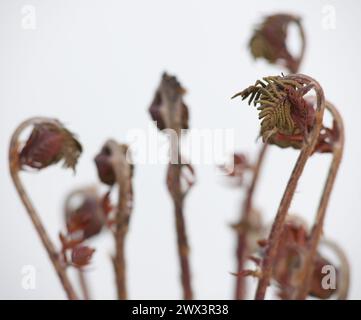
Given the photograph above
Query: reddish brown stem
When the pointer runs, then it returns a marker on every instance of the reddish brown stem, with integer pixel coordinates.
(175, 189)
(182, 241)
(242, 251)
(60, 268)
(120, 266)
(317, 229)
(122, 171)
(120, 233)
(277, 227)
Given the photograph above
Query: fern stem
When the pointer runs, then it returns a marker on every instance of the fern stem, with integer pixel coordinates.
(34, 216)
(123, 178)
(317, 229)
(277, 227)
(175, 188)
(242, 251)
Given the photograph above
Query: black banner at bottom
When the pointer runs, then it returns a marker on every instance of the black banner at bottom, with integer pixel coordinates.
(170, 309)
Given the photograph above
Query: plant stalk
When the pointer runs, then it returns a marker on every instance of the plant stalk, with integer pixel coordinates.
(44, 237)
(242, 251)
(123, 176)
(317, 229)
(175, 189)
(120, 233)
(182, 240)
(306, 151)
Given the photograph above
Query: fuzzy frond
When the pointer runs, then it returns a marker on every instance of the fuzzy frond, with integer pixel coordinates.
(282, 109)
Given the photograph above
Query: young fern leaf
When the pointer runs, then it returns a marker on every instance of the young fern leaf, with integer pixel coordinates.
(269, 41)
(283, 111)
(48, 143)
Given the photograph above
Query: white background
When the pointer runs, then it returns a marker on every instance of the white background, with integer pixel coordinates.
(95, 65)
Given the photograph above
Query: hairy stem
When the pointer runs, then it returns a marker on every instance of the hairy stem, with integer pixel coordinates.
(60, 268)
(277, 227)
(242, 251)
(317, 229)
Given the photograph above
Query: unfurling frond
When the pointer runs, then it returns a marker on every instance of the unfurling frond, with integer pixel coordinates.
(269, 41)
(285, 115)
(49, 143)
